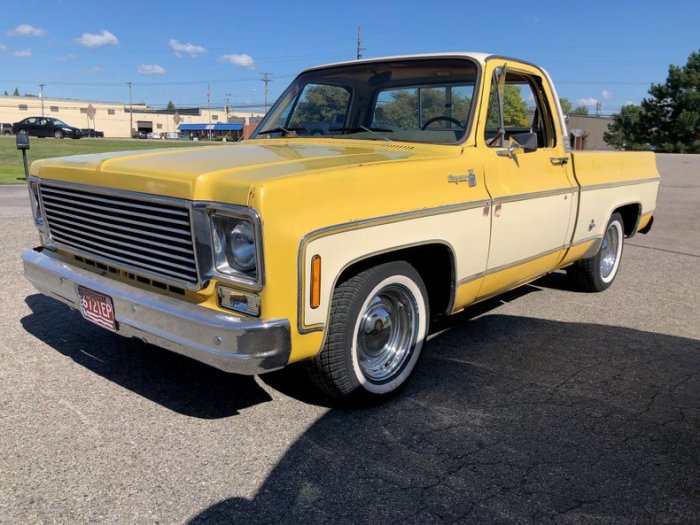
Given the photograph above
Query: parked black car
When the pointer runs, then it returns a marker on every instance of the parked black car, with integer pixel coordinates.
(92, 133)
(46, 127)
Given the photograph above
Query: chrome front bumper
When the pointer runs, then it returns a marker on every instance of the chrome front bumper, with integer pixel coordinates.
(233, 344)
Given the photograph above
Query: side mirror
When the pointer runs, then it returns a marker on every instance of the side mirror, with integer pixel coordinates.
(527, 140)
(519, 143)
(22, 140)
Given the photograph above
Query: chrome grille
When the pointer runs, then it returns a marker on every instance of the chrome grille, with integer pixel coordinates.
(145, 236)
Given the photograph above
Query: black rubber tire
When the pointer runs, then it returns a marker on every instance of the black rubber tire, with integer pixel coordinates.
(58, 134)
(335, 370)
(585, 274)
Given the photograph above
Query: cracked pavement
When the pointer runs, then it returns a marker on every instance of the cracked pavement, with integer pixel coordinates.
(541, 406)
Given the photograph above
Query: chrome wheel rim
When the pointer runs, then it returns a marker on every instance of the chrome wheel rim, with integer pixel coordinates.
(387, 332)
(609, 252)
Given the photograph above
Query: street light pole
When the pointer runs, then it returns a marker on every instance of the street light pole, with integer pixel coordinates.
(131, 114)
(41, 87)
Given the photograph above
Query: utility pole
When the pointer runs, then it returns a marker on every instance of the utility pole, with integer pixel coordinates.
(227, 98)
(598, 108)
(266, 79)
(41, 87)
(131, 114)
(360, 49)
(209, 108)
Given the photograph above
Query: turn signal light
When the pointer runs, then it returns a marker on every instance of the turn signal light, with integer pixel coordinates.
(315, 298)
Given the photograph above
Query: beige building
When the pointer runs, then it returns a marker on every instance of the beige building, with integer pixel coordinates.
(113, 118)
(587, 131)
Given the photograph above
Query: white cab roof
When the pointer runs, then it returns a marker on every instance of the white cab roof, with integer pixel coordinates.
(479, 57)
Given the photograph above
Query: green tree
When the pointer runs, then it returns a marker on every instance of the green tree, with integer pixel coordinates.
(399, 107)
(566, 105)
(669, 119)
(625, 132)
(672, 112)
(515, 112)
(5, 93)
(320, 104)
(170, 105)
(579, 110)
(15, 93)
(400, 111)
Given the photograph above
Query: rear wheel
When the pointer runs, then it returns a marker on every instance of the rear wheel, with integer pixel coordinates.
(379, 321)
(58, 134)
(597, 273)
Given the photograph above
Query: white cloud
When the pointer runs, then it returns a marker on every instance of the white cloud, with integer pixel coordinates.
(26, 30)
(93, 41)
(629, 103)
(66, 58)
(22, 53)
(590, 101)
(241, 60)
(188, 49)
(3, 47)
(150, 69)
(607, 95)
(94, 69)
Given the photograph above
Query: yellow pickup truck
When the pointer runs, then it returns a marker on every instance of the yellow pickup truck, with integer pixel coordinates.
(375, 196)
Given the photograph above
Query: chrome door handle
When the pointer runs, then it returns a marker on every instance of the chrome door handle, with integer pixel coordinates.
(559, 161)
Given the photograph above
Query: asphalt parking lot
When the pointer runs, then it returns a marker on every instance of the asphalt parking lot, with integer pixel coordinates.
(543, 405)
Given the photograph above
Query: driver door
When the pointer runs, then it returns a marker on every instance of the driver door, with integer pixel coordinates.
(532, 188)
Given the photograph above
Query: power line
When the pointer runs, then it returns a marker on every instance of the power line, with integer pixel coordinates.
(163, 83)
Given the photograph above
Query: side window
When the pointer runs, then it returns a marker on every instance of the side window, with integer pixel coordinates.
(31, 120)
(320, 109)
(420, 107)
(396, 108)
(525, 110)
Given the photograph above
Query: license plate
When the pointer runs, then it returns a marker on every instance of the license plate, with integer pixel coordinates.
(97, 307)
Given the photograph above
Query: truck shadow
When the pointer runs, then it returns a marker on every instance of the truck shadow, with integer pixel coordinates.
(178, 383)
(509, 419)
(173, 381)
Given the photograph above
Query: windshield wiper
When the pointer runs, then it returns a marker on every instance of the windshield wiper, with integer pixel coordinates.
(280, 129)
(372, 130)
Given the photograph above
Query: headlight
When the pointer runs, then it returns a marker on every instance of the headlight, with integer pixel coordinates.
(234, 246)
(241, 245)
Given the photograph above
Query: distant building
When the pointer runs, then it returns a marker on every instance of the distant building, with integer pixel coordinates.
(586, 132)
(113, 118)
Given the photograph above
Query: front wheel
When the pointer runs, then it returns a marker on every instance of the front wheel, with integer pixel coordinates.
(379, 321)
(58, 134)
(597, 273)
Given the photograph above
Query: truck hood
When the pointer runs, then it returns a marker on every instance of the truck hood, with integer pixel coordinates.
(225, 173)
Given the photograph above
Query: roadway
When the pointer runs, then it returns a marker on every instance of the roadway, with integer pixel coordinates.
(543, 405)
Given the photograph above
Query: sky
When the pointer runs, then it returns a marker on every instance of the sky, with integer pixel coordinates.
(208, 53)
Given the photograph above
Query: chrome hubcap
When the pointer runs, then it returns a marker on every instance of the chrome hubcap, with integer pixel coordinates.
(387, 332)
(608, 251)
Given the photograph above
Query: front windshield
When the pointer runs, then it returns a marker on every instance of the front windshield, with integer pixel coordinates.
(415, 100)
(57, 122)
